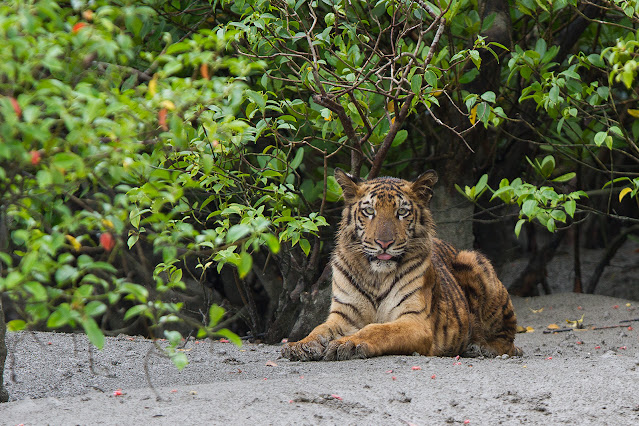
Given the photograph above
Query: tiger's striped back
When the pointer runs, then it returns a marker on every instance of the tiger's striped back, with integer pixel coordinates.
(397, 289)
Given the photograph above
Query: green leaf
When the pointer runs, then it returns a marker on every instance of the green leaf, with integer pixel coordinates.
(483, 112)
(272, 242)
(570, 206)
(134, 218)
(6, 258)
(258, 98)
(547, 166)
(609, 142)
(600, 137)
(400, 137)
(130, 242)
(94, 333)
(431, 78)
(565, 178)
(553, 94)
(504, 194)
(179, 359)
(475, 57)
(518, 226)
(16, 325)
(60, 317)
(558, 215)
(233, 338)
(416, 84)
(305, 245)
(134, 311)
(37, 290)
(529, 208)
(95, 308)
(616, 130)
(215, 314)
(137, 291)
(299, 156)
(237, 232)
(489, 97)
(65, 273)
(245, 264)
(481, 184)
(551, 225)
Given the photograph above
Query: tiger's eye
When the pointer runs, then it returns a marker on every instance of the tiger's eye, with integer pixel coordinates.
(402, 211)
(369, 211)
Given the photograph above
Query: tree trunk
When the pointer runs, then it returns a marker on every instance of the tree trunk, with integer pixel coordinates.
(4, 395)
(526, 284)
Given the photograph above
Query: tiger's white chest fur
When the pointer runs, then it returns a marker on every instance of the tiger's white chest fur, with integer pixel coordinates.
(380, 295)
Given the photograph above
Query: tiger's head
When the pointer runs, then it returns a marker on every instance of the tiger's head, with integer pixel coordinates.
(386, 220)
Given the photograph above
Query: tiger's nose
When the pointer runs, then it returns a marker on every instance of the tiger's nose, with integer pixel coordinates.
(384, 244)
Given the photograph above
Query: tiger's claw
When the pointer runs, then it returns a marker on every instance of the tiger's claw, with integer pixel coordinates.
(312, 350)
(339, 350)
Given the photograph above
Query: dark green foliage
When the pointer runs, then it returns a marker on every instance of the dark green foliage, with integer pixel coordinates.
(149, 144)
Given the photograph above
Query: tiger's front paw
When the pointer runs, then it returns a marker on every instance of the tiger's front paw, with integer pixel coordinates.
(343, 349)
(304, 350)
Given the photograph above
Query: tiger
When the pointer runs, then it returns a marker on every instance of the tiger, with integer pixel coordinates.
(399, 290)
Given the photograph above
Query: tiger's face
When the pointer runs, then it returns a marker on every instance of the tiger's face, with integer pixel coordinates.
(386, 219)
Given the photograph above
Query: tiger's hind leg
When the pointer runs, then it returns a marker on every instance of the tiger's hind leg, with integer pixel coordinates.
(494, 319)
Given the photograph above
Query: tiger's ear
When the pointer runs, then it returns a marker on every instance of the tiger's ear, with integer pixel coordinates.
(424, 183)
(348, 183)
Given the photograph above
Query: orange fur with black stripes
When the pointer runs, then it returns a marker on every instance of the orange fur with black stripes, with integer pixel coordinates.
(398, 290)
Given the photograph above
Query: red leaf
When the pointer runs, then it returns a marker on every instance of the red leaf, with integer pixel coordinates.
(35, 157)
(204, 70)
(416, 367)
(337, 397)
(117, 392)
(77, 27)
(162, 119)
(16, 106)
(107, 241)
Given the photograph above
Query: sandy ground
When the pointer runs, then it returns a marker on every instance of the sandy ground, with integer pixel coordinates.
(588, 376)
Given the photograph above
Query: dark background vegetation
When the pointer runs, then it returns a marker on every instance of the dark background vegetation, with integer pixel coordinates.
(166, 166)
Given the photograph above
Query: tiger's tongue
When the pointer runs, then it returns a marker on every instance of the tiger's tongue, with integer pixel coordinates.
(384, 256)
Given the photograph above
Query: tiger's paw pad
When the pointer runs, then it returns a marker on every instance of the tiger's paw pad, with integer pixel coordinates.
(342, 350)
(303, 351)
